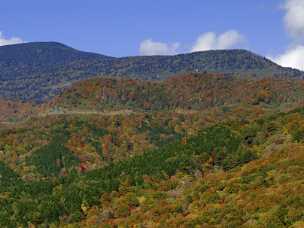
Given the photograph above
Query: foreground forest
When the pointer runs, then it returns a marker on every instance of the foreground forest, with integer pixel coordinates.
(199, 150)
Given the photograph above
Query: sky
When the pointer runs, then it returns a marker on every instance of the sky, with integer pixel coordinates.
(273, 28)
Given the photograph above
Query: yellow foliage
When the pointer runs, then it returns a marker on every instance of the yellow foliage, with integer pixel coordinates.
(84, 208)
(141, 199)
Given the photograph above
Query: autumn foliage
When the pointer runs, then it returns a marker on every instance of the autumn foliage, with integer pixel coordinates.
(190, 151)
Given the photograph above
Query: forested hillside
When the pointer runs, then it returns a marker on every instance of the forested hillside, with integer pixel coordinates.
(205, 150)
(186, 92)
(238, 168)
(174, 124)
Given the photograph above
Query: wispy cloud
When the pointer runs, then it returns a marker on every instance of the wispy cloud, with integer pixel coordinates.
(206, 41)
(293, 57)
(150, 47)
(7, 41)
(294, 18)
(211, 41)
(294, 23)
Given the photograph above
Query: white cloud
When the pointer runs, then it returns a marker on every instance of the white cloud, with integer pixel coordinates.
(292, 58)
(150, 47)
(8, 41)
(229, 39)
(294, 17)
(212, 41)
(294, 23)
(205, 42)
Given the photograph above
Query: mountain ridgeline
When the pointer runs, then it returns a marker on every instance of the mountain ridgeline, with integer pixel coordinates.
(40, 70)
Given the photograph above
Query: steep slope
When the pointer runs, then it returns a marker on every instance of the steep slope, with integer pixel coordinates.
(266, 192)
(37, 71)
(240, 172)
(23, 60)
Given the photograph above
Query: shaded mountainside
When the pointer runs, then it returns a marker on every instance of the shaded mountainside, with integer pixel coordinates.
(37, 71)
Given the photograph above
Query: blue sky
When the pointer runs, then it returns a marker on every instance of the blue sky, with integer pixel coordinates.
(119, 27)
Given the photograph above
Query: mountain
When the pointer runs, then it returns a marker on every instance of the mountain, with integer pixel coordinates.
(37, 71)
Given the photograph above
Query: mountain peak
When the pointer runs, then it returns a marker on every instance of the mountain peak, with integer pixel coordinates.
(33, 45)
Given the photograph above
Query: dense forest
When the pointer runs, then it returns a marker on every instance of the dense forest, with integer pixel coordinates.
(194, 150)
(243, 170)
(187, 92)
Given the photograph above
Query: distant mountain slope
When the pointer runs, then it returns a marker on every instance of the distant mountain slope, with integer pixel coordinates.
(26, 60)
(216, 61)
(37, 71)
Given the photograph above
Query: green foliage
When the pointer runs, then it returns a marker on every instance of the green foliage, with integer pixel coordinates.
(52, 158)
(223, 145)
(204, 173)
(68, 193)
(297, 134)
(7, 176)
